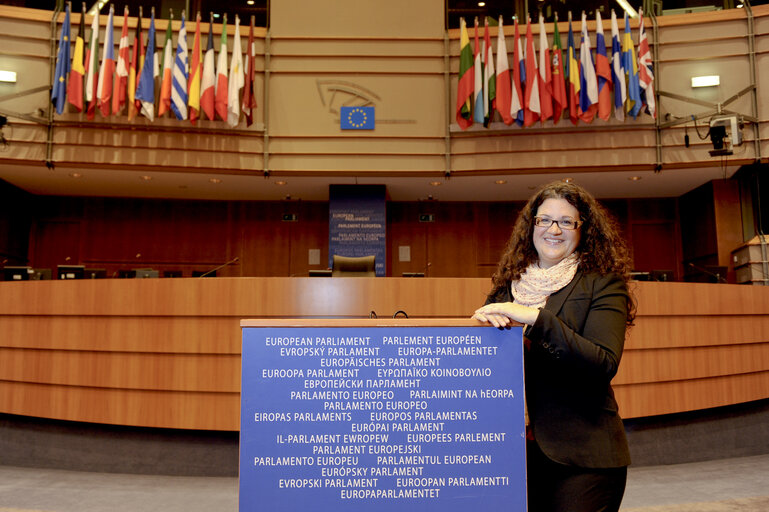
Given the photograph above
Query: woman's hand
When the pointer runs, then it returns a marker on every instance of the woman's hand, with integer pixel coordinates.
(501, 314)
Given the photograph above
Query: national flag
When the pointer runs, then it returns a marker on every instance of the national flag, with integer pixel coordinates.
(107, 70)
(91, 80)
(633, 103)
(617, 71)
(478, 78)
(572, 77)
(164, 101)
(236, 78)
(222, 91)
(532, 108)
(75, 89)
(489, 77)
(560, 100)
(59, 92)
(602, 71)
(196, 71)
(249, 99)
(208, 80)
(135, 68)
(588, 89)
(464, 112)
(516, 107)
(180, 75)
(121, 70)
(545, 74)
(145, 89)
(645, 69)
(503, 85)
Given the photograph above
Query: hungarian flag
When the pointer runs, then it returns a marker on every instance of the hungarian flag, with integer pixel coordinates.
(588, 92)
(617, 71)
(107, 70)
(208, 81)
(602, 70)
(503, 85)
(135, 68)
(59, 92)
(196, 70)
(145, 88)
(645, 69)
(236, 79)
(249, 99)
(75, 89)
(516, 108)
(572, 76)
(545, 74)
(633, 104)
(489, 78)
(164, 101)
(91, 80)
(222, 87)
(121, 70)
(532, 108)
(478, 78)
(180, 75)
(464, 112)
(560, 101)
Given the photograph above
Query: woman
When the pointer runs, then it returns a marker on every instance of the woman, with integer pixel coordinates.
(564, 274)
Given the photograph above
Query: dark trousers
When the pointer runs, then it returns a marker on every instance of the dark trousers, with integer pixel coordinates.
(553, 487)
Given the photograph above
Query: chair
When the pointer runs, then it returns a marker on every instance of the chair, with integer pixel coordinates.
(353, 266)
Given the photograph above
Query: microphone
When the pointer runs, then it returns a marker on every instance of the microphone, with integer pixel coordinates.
(718, 277)
(233, 260)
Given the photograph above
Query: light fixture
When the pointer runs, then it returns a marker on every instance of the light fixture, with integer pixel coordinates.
(8, 76)
(280, 183)
(706, 81)
(75, 175)
(634, 178)
(627, 8)
(215, 181)
(567, 180)
(500, 182)
(481, 4)
(216, 15)
(250, 2)
(435, 183)
(146, 178)
(97, 7)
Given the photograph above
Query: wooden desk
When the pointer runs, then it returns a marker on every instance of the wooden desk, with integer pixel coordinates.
(166, 352)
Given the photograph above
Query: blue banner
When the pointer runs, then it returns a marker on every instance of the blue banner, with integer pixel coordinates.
(357, 219)
(382, 419)
(357, 118)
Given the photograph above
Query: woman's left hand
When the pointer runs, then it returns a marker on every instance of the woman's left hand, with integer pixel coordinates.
(500, 314)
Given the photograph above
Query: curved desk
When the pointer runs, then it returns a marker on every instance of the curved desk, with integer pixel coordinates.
(166, 352)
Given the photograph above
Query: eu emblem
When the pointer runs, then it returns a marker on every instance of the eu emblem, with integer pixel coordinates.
(356, 118)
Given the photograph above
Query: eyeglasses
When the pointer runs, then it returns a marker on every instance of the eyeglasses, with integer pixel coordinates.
(568, 224)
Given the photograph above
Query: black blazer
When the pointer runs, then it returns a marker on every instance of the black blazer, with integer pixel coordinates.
(575, 350)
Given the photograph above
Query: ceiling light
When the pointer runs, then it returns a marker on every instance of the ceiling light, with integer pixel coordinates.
(216, 15)
(435, 183)
(250, 2)
(627, 8)
(75, 175)
(567, 180)
(706, 81)
(280, 183)
(215, 181)
(634, 178)
(500, 182)
(481, 4)
(7, 76)
(146, 178)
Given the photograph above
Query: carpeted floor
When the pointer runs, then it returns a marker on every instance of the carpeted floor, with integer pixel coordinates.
(757, 504)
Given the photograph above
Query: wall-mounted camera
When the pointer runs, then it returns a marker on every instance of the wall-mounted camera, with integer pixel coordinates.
(725, 133)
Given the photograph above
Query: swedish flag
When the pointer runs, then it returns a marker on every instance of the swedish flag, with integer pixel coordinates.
(357, 118)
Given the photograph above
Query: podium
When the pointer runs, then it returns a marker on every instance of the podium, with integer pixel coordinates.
(381, 415)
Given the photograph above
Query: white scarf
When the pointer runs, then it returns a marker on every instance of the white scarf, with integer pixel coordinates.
(537, 284)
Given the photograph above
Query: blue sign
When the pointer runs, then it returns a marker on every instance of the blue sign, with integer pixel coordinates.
(357, 223)
(422, 419)
(357, 118)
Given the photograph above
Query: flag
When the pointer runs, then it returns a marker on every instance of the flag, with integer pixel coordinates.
(645, 69)
(107, 70)
(145, 89)
(137, 56)
(588, 89)
(516, 106)
(164, 101)
(221, 75)
(236, 78)
(208, 80)
(75, 89)
(59, 92)
(617, 71)
(121, 70)
(91, 80)
(357, 118)
(465, 79)
(560, 101)
(545, 74)
(532, 108)
(633, 103)
(602, 71)
(180, 75)
(503, 85)
(572, 77)
(196, 70)
(249, 100)
(478, 76)
(489, 77)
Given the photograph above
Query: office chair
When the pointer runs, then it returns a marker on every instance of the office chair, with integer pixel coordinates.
(353, 266)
